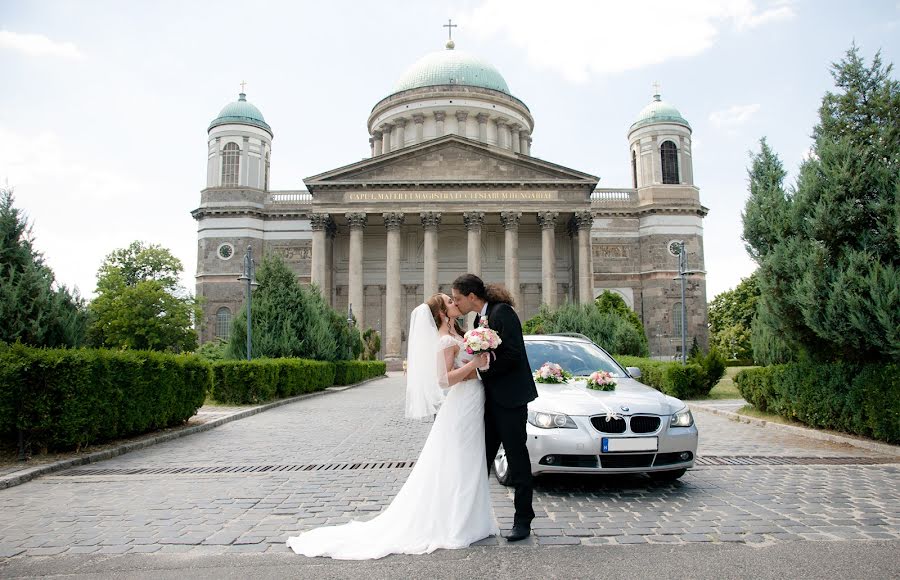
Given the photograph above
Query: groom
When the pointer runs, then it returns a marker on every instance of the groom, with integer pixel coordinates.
(508, 386)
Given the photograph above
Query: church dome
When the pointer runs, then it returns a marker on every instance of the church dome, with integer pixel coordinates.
(659, 111)
(451, 67)
(240, 112)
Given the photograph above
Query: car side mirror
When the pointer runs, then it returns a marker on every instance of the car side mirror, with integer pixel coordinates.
(634, 372)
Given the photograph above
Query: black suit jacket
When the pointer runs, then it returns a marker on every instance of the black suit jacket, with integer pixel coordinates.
(509, 381)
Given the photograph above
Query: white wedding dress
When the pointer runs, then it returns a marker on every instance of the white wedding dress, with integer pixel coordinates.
(445, 502)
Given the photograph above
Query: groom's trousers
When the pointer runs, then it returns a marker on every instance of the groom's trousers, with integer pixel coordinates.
(507, 426)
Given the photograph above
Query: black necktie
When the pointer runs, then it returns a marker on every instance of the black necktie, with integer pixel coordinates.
(477, 320)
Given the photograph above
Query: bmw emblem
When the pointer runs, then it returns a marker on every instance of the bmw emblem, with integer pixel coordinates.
(624, 408)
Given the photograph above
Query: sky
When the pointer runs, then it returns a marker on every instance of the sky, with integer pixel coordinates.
(104, 105)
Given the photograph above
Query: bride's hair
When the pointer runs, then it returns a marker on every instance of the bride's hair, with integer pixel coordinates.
(496, 293)
(437, 306)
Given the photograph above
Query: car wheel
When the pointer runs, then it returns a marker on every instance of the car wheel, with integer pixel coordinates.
(501, 467)
(667, 476)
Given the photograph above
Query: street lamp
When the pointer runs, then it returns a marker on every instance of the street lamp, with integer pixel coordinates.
(249, 276)
(350, 325)
(677, 248)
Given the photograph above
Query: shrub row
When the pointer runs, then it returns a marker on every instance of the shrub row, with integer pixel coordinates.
(244, 382)
(62, 399)
(691, 381)
(854, 398)
(348, 372)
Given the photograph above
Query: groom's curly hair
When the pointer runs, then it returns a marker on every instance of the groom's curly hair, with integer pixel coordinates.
(492, 293)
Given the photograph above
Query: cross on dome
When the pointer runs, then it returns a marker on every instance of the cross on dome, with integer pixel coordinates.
(450, 26)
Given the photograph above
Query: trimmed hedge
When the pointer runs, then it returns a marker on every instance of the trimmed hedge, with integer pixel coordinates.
(691, 381)
(63, 399)
(348, 372)
(247, 382)
(854, 398)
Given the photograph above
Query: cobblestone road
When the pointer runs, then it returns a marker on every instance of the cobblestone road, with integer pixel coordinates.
(88, 511)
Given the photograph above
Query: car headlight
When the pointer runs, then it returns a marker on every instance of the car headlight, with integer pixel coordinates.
(682, 418)
(551, 420)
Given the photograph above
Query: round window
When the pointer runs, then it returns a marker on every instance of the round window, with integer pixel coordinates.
(226, 251)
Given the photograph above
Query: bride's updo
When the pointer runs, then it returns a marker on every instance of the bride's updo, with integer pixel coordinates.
(437, 306)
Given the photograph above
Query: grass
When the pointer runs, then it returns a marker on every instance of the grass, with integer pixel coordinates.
(751, 411)
(725, 388)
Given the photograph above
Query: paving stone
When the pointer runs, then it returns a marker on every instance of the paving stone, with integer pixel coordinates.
(558, 541)
(630, 539)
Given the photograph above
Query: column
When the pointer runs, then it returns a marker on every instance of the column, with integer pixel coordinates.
(371, 146)
(461, 117)
(482, 126)
(244, 169)
(502, 133)
(419, 120)
(584, 220)
(377, 136)
(386, 137)
(510, 221)
(547, 221)
(400, 130)
(357, 223)
(528, 145)
(318, 222)
(330, 234)
(473, 221)
(514, 134)
(393, 320)
(430, 222)
(439, 123)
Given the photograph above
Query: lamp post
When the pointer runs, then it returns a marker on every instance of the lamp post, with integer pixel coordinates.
(350, 325)
(683, 273)
(249, 276)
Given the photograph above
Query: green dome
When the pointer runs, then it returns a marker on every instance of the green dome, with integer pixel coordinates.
(659, 111)
(451, 67)
(240, 112)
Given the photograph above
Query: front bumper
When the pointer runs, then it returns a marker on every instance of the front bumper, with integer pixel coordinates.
(580, 450)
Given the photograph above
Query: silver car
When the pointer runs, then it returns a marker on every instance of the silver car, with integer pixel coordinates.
(573, 429)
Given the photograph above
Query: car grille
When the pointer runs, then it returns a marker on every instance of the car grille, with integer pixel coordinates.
(644, 424)
(612, 426)
(623, 461)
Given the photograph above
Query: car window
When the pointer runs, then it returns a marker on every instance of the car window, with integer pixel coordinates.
(579, 358)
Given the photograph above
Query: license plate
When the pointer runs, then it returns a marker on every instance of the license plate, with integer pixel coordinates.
(616, 444)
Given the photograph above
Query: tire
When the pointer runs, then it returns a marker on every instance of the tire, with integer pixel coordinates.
(667, 476)
(501, 468)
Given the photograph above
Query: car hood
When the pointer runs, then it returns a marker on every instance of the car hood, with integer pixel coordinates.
(574, 398)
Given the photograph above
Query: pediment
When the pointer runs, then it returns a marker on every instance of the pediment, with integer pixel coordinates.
(450, 159)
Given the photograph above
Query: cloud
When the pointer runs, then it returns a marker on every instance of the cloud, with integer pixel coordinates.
(38, 45)
(733, 116)
(581, 38)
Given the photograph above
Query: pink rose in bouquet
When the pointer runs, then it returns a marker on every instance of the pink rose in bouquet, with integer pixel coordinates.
(481, 339)
(601, 381)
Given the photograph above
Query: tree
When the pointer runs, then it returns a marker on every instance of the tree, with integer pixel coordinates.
(140, 304)
(291, 320)
(829, 253)
(731, 316)
(613, 303)
(34, 310)
(611, 330)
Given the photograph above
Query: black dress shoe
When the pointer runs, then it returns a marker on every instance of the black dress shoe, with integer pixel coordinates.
(518, 532)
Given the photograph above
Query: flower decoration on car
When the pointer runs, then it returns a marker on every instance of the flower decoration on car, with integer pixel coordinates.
(551, 373)
(601, 381)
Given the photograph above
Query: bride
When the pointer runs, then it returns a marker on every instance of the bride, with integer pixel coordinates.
(445, 502)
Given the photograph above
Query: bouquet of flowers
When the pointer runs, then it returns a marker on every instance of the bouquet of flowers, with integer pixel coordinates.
(481, 339)
(601, 381)
(551, 373)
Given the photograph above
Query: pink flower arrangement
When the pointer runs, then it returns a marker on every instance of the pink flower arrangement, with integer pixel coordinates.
(551, 373)
(601, 381)
(481, 339)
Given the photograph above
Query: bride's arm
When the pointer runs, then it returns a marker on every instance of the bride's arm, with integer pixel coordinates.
(464, 372)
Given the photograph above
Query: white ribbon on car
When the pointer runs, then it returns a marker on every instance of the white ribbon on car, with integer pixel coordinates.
(610, 414)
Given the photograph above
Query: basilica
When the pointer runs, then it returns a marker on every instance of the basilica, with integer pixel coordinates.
(451, 187)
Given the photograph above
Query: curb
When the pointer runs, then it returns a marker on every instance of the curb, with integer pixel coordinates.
(885, 448)
(27, 475)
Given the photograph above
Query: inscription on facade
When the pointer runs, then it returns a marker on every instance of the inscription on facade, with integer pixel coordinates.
(451, 196)
(610, 251)
(293, 253)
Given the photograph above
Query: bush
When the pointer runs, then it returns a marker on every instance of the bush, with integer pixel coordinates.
(611, 330)
(257, 381)
(63, 399)
(863, 399)
(690, 381)
(348, 372)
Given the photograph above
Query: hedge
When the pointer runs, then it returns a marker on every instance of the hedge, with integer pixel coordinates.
(691, 381)
(63, 399)
(247, 382)
(348, 372)
(854, 398)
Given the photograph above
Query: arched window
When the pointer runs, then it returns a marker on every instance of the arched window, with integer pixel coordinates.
(676, 319)
(669, 154)
(634, 169)
(231, 164)
(266, 177)
(223, 323)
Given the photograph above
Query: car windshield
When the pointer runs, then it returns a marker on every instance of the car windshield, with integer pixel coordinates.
(577, 357)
